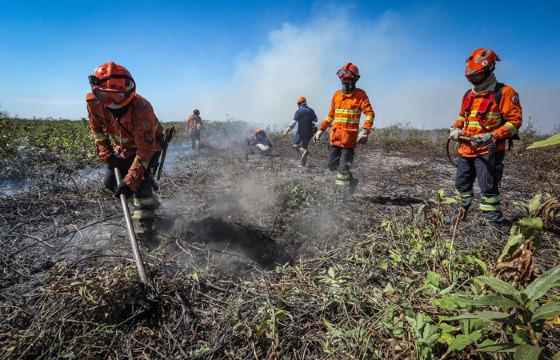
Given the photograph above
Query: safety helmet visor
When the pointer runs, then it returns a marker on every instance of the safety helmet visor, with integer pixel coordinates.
(112, 90)
(345, 74)
(110, 96)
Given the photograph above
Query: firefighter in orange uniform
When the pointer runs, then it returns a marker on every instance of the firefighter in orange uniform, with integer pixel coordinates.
(127, 136)
(491, 115)
(344, 115)
(194, 127)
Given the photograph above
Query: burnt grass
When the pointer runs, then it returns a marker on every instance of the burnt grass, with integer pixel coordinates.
(256, 257)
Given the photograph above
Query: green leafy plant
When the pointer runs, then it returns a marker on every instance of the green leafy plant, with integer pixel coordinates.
(551, 141)
(516, 315)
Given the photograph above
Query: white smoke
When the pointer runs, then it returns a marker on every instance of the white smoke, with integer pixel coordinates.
(302, 60)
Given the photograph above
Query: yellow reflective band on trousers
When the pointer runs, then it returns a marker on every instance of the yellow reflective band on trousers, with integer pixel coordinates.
(466, 197)
(141, 214)
(342, 179)
(144, 202)
(491, 203)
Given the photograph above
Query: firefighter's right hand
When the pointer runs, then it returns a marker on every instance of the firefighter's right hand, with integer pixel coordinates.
(454, 133)
(116, 161)
(123, 189)
(317, 136)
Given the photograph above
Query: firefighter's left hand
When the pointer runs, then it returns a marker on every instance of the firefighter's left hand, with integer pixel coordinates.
(123, 189)
(482, 140)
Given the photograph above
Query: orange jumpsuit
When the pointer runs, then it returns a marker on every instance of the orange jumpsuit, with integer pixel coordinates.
(134, 134)
(344, 116)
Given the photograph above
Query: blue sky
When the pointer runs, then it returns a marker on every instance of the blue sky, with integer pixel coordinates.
(251, 59)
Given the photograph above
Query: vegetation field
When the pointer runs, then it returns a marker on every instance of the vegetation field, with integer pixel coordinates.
(261, 259)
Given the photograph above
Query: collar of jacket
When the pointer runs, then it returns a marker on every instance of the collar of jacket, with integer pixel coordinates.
(488, 85)
(350, 93)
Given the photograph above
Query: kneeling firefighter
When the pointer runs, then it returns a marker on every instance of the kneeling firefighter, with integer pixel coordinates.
(344, 115)
(490, 115)
(127, 136)
(259, 143)
(305, 120)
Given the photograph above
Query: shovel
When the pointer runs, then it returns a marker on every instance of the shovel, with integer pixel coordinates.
(150, 293)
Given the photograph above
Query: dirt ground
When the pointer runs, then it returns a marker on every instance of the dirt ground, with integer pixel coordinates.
(212, 193)
(225, 214)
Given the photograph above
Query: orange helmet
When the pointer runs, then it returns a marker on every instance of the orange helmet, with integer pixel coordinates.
(348, 71)
(481, 60)
(258, 131)
(301, 99)
(112, 85)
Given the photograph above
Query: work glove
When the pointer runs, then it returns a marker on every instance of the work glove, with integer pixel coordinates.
(317, 136)
(363, 136)
(116, 161)
(482, 140)
(454, 133)
(123, 189)
(287, 131)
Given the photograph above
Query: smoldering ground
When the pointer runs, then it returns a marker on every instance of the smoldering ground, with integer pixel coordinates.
(223, 210)
(67, 277)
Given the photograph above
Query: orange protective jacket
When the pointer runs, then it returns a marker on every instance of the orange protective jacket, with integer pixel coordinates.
(135, 133)
(502, 119)
(194, 124)
(344, 116)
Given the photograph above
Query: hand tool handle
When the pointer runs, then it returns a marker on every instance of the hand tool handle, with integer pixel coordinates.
(131, 234)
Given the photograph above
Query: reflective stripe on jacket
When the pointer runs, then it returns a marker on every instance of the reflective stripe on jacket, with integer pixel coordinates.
(135, 133)
(502, 119)
(344, 116)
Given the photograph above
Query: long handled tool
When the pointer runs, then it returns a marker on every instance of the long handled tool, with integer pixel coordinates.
(491, 166)
(133, 242)
(167, 136)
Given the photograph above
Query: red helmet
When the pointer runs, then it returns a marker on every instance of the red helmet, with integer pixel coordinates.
(112, 85)
(301, 99)
(348, 71)
(480, 61)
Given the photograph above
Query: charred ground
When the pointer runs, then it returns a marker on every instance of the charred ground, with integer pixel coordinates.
(257, 259)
